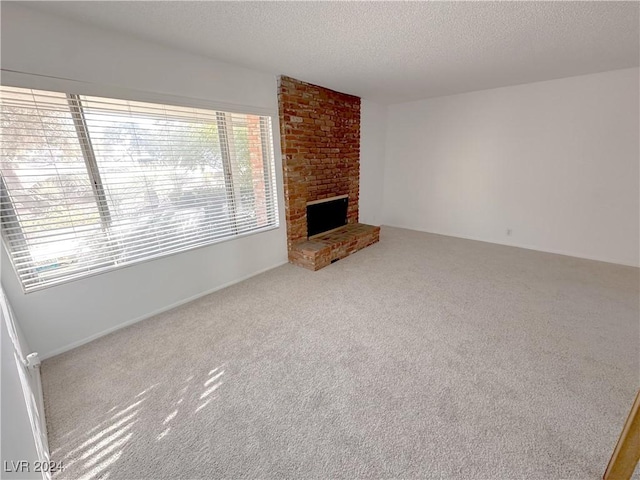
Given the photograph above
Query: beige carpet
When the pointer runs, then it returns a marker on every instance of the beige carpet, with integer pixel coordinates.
(423, 356)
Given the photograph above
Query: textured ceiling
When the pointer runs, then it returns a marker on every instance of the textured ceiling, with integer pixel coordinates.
(388, 52)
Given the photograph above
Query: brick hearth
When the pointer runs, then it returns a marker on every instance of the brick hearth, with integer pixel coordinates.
(327, 248)
(320, 136)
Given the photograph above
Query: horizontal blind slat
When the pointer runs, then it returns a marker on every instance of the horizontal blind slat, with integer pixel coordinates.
(156, 170)
(125, 253)
(128, 235)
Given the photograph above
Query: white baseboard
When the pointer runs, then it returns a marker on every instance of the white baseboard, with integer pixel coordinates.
(516, 245)
(79, 343)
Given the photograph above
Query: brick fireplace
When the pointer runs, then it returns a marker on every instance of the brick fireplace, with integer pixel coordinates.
(320, 136)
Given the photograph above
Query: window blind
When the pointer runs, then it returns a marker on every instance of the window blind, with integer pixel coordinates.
(89, 184)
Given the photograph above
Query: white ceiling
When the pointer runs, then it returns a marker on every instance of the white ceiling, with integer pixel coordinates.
(388, 52)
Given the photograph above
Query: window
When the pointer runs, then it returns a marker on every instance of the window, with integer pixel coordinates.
(90, 184)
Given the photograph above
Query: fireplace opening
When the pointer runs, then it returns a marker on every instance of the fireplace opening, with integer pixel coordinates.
(326, 214)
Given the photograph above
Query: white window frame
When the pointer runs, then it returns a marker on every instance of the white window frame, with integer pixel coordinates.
(63, 85)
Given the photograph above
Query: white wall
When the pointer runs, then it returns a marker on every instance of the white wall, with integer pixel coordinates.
(37, 42)
(61, 317)
(556, 162)
(373, 129)
(17, 435)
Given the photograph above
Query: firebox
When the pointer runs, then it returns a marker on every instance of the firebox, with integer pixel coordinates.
(326, 214)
